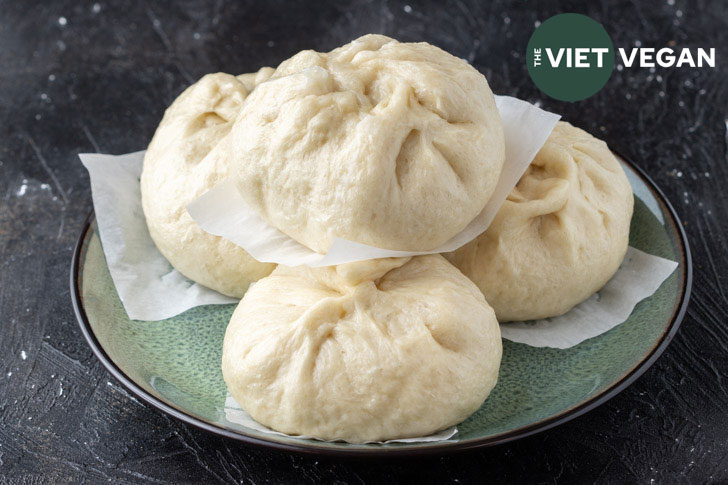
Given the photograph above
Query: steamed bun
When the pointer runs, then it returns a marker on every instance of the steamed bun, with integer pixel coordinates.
(364, 351)
(188, 156)
(390, 144)
(561, 234)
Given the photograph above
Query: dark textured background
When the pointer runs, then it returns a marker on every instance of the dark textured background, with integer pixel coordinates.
(100, 80)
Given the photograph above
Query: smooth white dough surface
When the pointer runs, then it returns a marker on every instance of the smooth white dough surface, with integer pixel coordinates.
(395, 145)
(366, 351)
(561, 234)
(188, 156)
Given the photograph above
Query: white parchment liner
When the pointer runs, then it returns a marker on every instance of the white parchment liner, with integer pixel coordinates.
(148, 286)
(638, 277)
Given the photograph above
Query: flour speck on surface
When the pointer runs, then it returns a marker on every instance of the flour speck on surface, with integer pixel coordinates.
(23, 355)
(62, 21)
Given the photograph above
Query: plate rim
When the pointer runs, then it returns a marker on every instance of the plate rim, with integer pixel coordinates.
(428, 449)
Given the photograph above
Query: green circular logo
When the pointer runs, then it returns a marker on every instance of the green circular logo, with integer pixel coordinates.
(570, 57)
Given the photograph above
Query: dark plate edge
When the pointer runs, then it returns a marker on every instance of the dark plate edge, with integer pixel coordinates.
(444, 447)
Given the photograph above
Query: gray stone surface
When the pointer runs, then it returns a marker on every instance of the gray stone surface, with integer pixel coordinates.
(79, 76)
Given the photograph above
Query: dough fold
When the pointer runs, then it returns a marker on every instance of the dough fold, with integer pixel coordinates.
(189, 155)
(560, 235)
(364, 351)
(395, 145)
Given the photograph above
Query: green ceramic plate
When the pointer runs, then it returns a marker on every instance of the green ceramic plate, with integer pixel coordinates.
(175, 364)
